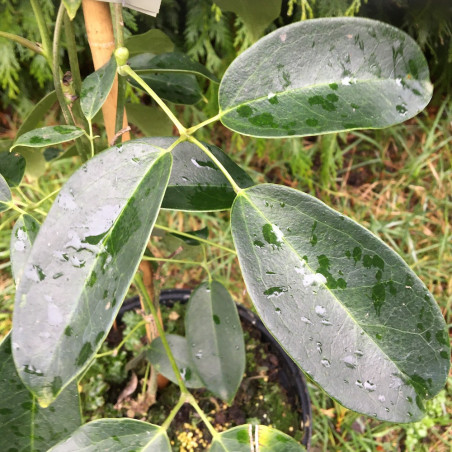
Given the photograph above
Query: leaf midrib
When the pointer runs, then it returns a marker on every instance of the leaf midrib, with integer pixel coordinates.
(244, 195)
(73, 313)
(304, 88)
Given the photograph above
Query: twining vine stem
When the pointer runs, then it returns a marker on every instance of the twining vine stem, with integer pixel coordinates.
(43, 31)
(23, 41)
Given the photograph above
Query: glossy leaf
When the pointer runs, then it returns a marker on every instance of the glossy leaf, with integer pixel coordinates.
(48, 136)
(153, 41)
(148, 63)
(180, 349)
(12, 167)
(5, 194)
(325, 75)
(196, 184)
(345, 307)
(23, 236)
(116, 435)
(152, 121)
(254, 438)
(24, 425)
(82, 262)
(213, 329)
(256, 14)
(72, 7)
(52, 153)
(96, 87)
(176, 88)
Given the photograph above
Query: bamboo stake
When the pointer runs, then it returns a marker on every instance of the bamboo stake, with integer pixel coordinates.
(99, 29)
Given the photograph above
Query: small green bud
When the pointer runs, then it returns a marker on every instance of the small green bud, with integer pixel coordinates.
(121, 55)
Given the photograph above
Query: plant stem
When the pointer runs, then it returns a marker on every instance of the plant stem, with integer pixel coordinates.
(206, 150)
(145, 379)
(91, 138)
(12, 206)
(143, 292)
(193, 129)
(118, 347)
(56, 75)
(171, 260)
(205, 264)
(56, 65)
(127, 70)
(23, 41)
(182, 400)
(192, 401)
(37, 204)
(199, 239)
(28, 201)
(72, 54)
(118, 24)
(175, 143)
(43, 31)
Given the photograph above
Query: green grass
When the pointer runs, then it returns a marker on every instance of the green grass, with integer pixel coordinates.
(397, 182)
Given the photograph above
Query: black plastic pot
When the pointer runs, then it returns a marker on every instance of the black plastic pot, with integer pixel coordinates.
(290, 376)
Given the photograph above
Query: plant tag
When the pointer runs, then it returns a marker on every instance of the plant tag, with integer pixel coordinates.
(150, 7)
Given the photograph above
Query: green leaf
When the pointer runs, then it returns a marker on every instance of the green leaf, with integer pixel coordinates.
(151, 121)
(82, 262)
(12, 167)
(48, 136)
(147, 63)
(96, 87)
(72, 7)
(35, 162)
(38, 113)
(256, 15)
(213, 329)
(35, 165)
(153, 41)
(254, 438)
(5, 194)
(345, 307)
(116, 435)
(201, 233)
(24, 425)
(325, 75)
(179, 347)
(176, 88)
(196, 184)
(23, 236)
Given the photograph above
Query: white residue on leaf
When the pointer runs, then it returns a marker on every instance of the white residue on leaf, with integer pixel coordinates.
(278, 233)
(102, 219)
(348, 81)
(21, 242)
(196, 163)
(313, 279)
(54, 315)
(66, 200)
